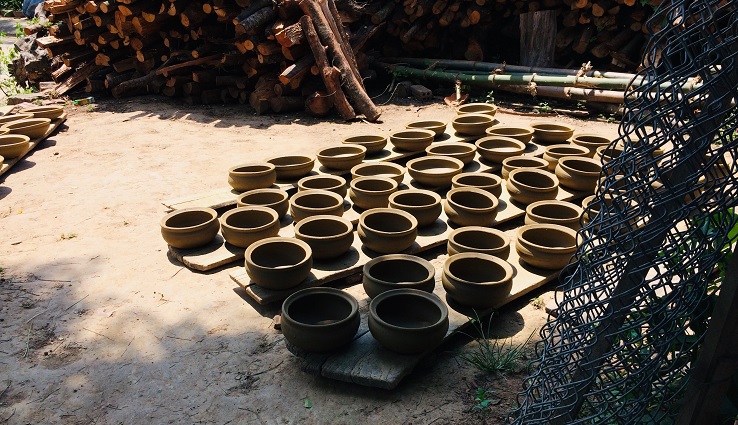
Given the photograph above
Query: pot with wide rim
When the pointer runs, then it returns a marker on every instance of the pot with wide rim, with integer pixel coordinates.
(553, 153)
(397, 271)
(276, 199)
(562, 213)
(470, 206)
(415, 140)
(252, 176)
(292, 167)
(14, 117)
(477, 108)
(278, 263)
(524, 134)
(499, 148)
(379, 169)
(374, 144)
(477, 280)
(546, 246)
(434, 171)
(328, 236)
(578, 173)
(372, 192)
(50, 112)
(315, 202)
(424, 205)
(607, 153)
(14, 145)
(485, 181)
(483, 240)
(528, 185)
(243, 226)
(387, 230)
(472, 124)
(591, 142)
(190, 227)
(437, 127)
(551, 132)
(331, 183)
(31, 127)
(464, 152)
(522, 161)
(342, 157)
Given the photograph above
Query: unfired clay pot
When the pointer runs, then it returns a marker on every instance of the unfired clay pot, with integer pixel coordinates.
(477, 280)
(578, 173)
(50, 112)
(335, 184)
(380, 169)
(372, 192)
(546, 246)
(14, 145)
(483, 240)
(252, 176)
(555, 152)
(315, 202)
(342, 157)
(276, 199)
(292, 167)
(190, 227)
(528, 185)
(243, 226)
(387, 230)
(554, 212)
(415, 140)
(320, 319)
(523, 161)
(485, 181)
(408, 321)
(472, 124)
(374, 144)
(328, 236)
(31, 127)
(477, 108)
(464, 152)
(547, 133)
(524, 134)
(591, 142)
(438, 127)
(499, 148)
(397, 271)
(14, 117)
(278, 263)
(434, 171)
(424, 205)
(605, 154)
(470, 206)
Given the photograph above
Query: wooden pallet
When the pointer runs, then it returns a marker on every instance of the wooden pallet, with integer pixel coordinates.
(33, 143)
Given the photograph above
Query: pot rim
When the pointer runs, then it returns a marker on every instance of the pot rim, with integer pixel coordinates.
(576, 139)
(340, 181)
(464, 229)
(269, 168)
(399, 170)
(423, 137)
(237, 210)
(529, 210)
(323, 153)
(425, 124)
(320, 290)
(436, 198)
(305, 160)
(405, 214)
(472, 119)
(323, 217)
(405, 257)
(488, 106)
(525, 130)
(552, 176)
(250, 250)
(336, 197)
(540, 161)
(437, 158)
(495, 201)
(506, 266)
(568, 168)
(470, 149)
(46, 108)
(23, 139)
(212, 212)
(557, 227)
(497, 179)
(353, 187)
(520, 145)
(28, 123)
(550, 148)
(434, 299)
(281, 192)
(562, 128)
(355, 140)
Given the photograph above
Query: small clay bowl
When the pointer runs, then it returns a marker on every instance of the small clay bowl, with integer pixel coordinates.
(374, 144)
(372, 192)
(438, 127)
(276, 199)
(499, 148)
(464, 152)
(243, 226)
(380, 169)
(252, 176)
(14, 117)
(578, 173)
(190, 227)
(292, 167)
(2, 160)
(387, 230)
(31, 127)
(424, 205)
(278, 263)
(483, 240)
(528, 185)
(485, 181)
(434, 171)
(605, 154)
(398, 271)
(14, 145)
(342, 157)
(335, 184)
(320, 319)
(554, 212)
(412, 140)
(472, 124)
(312, 202)
(553, 153)
(408, 321)
(546, 246)
(549, 132)
(50, 112)
(470, 206)
(328, 236)
(523, 134)
(523, 161)
(477, 280)
(591, 142)
(477, 108)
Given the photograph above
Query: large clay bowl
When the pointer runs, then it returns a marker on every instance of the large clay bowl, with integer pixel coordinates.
(292, 167)
(190, 227)
(591, 142)
(276, 199)
(464, 152)
(335, 184)
(553, 153)
(278, 263)
(523, 161)
(578, 173)
(31, 127)
(320, 319)
(524, 134)
(606, 153)
(398, 271)
(380, 169)
(373, 143)
(387, 230)
(477, 108)
(546, 246)
(554, 212)
(243, 226)
(499, 148)
(424, 205)
(14, 117)
(485, 181)
(434, 171)
(252, 176)
(550, 132)
(372, 192)
(50, 112)
(412, 140)
(477, 280)
(483, 240)
(328, 236)
(408, 321)
(437, 127)
(315, 202)
(470, 206)
(472, 124)
(528, 185)
(342, 157)
(14, 145)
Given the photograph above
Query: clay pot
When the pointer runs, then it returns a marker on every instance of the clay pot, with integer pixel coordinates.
(424, 205)
(485, 181)
(434, 171)
(190, 227)
(524, 134)
(528, 185)
(479, 239)
(14, 145)
(412, 140)
(276, 199)
(470, 206)
(578, 173)
(464, 152)
(549, 132)
(387, 230)
(14, 117)
(278, 263)
(477, 280)
(380, 169)
(243, 226)
(372, 192)
(554, 212)
(591, 142)
(477, 108)
(408, 321)
(499, 148)
(320, 319)
(328, 236)
(472, 124)
(623, 209)
(315, 202)
(438, 127)
(606, 153)
(398, 271)
(374, 144)
(31, 127)
(342, 157)
(292, 167)
(515, 162)
(555, 152)
(335, 184)
(546, 246)
(2, 160)
(252, 176)
(50, 112)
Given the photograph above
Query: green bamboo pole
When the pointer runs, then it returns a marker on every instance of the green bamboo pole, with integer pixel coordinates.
(570, 93)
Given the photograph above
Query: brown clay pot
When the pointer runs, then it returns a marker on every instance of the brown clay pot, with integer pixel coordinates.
(477, 280)
(470, 206)
(243, 226)
(372, 192)
(485, 181)
(606, 153)
(320, 319)
(464, 152)
(437, 127)
(252, 176)
(472, 124)
(380, 169)
(546, 246)
(328, 236)
(5, 119)
(528, 185)
(31, 127)
(499, 148)
(190, 227)
(553, 153)
(554, 212)
(335, 184)
(386, 230)
(591, 142)
(398, 271)
(342, 157)
(315, 202)
(408, 321)
(374, 144)
(276, 199)
(412, 140)
(424, 205)
(14, 145)
(278, 263)
(578, 173)
(524, 134)
(2, 160)
(477, 108)
(50, 112)
(292, 167)
(523, 161)
(483, 240)
(434, 171)
(547, 133)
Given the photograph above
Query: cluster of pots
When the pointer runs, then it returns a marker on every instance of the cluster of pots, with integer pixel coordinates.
(17, 130)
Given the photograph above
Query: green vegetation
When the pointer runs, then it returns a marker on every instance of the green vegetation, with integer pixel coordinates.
(493, 355)
(483, 402)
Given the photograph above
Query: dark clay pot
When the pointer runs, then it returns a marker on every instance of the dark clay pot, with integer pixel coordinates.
(276, 199)
(464, 152)
(372, 192)
(547, 133)
(342, 157)
(424, 205)
(243, 226)
(335, 184)
(415, 140)
(470, 206)
(379, 169)
(315, 202)
(292, 167)
(190, 227)
(434, 171)
(278, 263)
(398, 271)
(546, 246)
(555, 152)
(554, 212)
(477, 280)
(485, 181)
(386, 230)
(578, 173)
(252, 176)
(328, 236)
(499, 148)
(528, 185)
(374, 144)
(523, 161)
(479, 239)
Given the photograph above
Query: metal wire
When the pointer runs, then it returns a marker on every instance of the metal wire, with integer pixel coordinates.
(638, 296)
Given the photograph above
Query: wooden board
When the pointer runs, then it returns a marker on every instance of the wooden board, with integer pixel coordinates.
(33, 143)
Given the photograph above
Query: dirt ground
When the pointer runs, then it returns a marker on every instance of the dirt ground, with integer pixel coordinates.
(99, 325)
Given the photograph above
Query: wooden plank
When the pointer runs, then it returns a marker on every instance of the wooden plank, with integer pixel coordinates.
(5, 110)
(33, 143)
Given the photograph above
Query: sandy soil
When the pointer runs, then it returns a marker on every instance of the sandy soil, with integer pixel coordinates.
(98, 325)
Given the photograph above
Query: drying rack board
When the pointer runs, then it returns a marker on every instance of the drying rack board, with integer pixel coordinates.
(33, 143)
